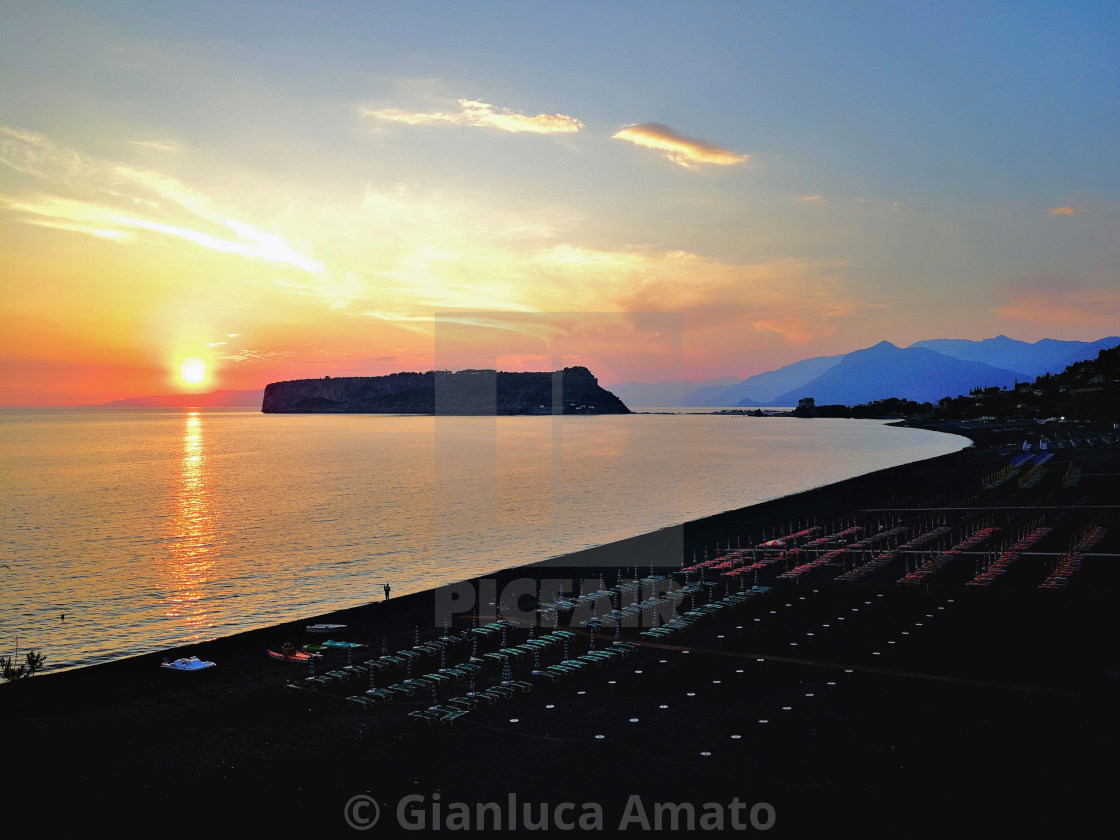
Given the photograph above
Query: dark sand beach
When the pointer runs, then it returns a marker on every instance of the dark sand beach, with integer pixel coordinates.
(863, 706)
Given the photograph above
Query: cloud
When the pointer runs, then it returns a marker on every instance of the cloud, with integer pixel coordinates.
(1086, 309)
(106, 222)
(812, 199)
(484, 115)
(1053, 300)
(165, 146)
(88, 194)
(681, 150)
(1064, 211)
(796, 299)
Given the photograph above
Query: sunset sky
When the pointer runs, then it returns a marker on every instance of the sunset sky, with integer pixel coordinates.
(657, 190)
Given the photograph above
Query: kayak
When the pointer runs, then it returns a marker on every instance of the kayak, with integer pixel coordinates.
(192, 663)
(330, 643)
(325, 628)
(297, 656)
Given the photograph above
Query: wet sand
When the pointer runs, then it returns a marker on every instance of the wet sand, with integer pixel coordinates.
(918, 709)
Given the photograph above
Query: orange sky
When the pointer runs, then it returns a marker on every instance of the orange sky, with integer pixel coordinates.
(349, 193)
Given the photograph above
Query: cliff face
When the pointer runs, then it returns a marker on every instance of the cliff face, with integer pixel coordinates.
(573, 390)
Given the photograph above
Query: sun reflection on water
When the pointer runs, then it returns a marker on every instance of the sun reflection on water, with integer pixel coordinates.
(189, 570)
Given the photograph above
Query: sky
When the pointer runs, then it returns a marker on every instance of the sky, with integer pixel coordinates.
(284, 190)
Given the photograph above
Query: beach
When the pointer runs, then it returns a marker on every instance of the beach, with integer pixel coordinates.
(787, 706)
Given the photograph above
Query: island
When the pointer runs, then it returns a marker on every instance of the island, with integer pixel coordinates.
(573, 390)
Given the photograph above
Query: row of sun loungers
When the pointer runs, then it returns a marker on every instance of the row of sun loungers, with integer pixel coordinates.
(920, 574)
(1070, 562)
(886, 557)
(830, 556)
(1004, 561)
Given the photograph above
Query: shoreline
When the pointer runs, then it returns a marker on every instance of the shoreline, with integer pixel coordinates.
(867, 740)
(665, 546)
(665, 557)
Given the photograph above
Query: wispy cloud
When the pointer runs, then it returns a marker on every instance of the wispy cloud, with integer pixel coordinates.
(482, 114)
(158, 146)
(813, 199)
(1064, 211)
(1054, 300)
(1099, 308)
(683, 151)
(797, 299)
(114, 201)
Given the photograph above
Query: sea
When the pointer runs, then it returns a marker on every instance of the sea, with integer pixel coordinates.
(127, 531)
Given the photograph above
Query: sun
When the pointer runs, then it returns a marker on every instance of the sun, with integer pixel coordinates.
(192, 371)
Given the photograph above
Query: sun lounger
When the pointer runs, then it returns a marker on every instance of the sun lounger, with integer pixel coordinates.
(491, 699)
(453, 716)
(465, 702)
(394, 660)
(365, 702)
(523, 686)
(377, 665)
(442, 709)
(500, 690)
(614, 653)
(539, 644)
(380, 694)
(401, 688)
(341, 676)
(605, 655)
(439, 679)
(551, 676)
(426, 715)
(409, 654)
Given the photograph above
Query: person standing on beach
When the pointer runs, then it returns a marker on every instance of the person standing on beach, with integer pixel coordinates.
(386, 592)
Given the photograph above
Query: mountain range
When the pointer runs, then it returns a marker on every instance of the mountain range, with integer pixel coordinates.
(925, 371)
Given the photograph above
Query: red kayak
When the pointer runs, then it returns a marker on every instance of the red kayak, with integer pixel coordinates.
(295, 656)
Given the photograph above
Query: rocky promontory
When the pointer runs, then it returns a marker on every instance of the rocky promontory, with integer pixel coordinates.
(573, 390)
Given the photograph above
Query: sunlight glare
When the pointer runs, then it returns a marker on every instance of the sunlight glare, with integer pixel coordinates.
(193, 371)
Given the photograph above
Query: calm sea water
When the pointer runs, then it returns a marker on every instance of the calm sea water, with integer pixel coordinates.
(153, 528)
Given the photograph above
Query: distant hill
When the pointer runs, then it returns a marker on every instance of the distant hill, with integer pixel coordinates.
(1086, 391)
(669, 392)
(1030, 360)
(765, 388)
(913, 373)
(574, 390)
(214, 399)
